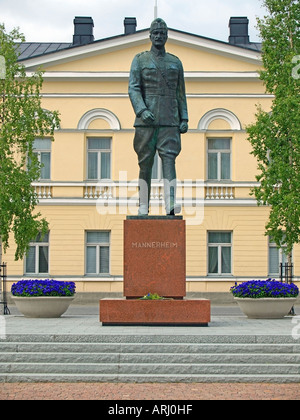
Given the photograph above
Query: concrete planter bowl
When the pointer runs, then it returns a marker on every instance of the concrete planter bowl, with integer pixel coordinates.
(265, 308)
(43, 298)
(43, 306)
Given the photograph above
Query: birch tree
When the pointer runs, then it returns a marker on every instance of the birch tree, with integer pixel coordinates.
(275, 136)
(22, 119)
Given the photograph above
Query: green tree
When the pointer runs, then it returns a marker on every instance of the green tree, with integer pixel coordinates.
(275, 137)
(22, 119)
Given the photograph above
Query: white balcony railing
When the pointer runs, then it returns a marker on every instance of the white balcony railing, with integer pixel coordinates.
(95, 192)
(219, 192)
(122, 191)
(43, 190)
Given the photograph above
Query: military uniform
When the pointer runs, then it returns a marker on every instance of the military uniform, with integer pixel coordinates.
(157, 84)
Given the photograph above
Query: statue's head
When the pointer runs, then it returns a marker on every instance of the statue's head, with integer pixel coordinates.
(159, 33)
(158, 24)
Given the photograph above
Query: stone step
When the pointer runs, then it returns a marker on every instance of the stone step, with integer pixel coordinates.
(191, 348)
(153, 338)
(152, 369)
(135, 358)
(149, 358)
(153, 378)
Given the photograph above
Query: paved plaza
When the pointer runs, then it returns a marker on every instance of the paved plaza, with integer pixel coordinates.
(81, 320)
(84, 320)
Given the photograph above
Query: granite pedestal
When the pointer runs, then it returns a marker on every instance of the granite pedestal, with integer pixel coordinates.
(154, 262)
(154, 257)
(184, 312)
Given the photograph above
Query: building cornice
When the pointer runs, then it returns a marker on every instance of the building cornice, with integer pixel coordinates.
(190, 76)
(80, 95)
(141, 38)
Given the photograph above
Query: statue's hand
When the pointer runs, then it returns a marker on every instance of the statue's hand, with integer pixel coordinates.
(147, 117)
(183, 127)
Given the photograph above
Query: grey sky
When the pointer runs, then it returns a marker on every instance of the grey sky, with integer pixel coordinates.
(52, 20)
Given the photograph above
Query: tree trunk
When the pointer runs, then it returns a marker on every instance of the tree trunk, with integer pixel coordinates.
(290, 276)
(1, 291)
(290, 268)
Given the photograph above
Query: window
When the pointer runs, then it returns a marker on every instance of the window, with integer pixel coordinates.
(99, 158)
(37, 257)
(276, 257)
(219, 159)
(42, 149)
(97, 252)
(157, 168)
(219, 253)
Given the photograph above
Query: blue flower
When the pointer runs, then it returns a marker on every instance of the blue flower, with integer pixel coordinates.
(43, 288)
(264, 288)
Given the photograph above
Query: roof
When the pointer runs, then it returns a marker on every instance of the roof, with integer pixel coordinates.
(35, 49)
(256, 46)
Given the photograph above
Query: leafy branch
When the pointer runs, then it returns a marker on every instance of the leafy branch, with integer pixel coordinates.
(22, 120)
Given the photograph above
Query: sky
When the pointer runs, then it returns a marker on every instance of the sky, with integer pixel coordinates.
(52, 20)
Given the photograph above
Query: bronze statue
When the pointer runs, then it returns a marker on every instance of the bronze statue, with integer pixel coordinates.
(157, 94)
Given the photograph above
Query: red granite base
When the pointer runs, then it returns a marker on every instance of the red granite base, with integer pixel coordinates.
(154, 257)
(191, 312)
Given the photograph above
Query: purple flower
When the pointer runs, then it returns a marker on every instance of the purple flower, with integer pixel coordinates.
(264, 288)
(43, 288)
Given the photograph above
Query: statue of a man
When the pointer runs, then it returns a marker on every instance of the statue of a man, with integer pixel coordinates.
(157, 94)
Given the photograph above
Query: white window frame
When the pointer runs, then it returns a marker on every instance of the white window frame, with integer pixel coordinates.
(282, 257)
(98, 246)
(219, 152)
(219, 246)
(38, 152)
(99, 153)
(37, 245)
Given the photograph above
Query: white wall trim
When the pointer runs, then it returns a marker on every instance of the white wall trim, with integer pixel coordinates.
(219, 114)
(99, 113)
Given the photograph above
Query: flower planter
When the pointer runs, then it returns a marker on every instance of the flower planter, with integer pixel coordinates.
(43, 298)
(265, 308)
(43, 306)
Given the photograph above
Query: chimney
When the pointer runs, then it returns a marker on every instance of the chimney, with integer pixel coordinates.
(130, 25)
(83, 30)
(239, 31)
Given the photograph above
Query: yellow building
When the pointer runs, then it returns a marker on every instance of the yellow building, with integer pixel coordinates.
(89, 180)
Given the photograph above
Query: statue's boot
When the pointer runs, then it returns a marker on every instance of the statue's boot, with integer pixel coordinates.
(170, 186)
(144, 196)
(171, 206)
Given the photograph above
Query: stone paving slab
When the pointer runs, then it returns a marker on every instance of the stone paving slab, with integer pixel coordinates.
(84, 320)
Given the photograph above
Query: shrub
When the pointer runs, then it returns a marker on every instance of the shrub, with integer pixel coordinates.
(264, 288)
(47, 287)
(151, 296)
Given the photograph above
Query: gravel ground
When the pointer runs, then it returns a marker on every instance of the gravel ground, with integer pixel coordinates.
(150, 392)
